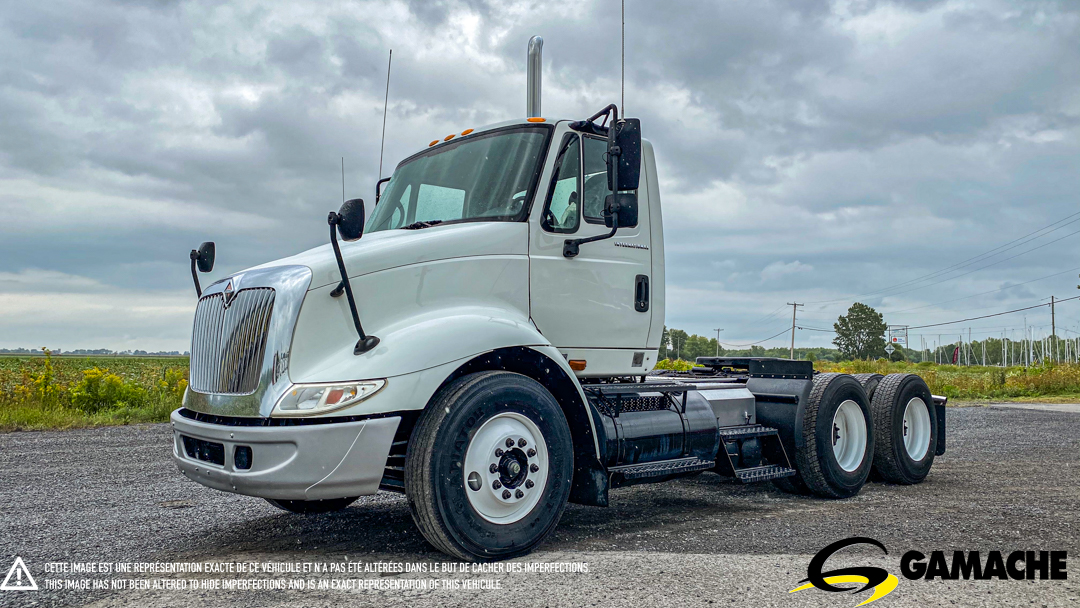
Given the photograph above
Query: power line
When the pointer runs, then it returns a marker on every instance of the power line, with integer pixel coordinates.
(896, 312)
(988, 316)
(963, 263)
(760, 341)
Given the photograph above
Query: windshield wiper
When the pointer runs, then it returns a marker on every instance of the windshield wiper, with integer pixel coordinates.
(419, 225)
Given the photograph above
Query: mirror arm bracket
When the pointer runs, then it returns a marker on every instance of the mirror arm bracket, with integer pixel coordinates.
(366, 342)
(571, 246)
(194, 273)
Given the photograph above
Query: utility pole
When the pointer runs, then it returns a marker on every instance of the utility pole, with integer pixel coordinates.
(718, 330)
(794, 307)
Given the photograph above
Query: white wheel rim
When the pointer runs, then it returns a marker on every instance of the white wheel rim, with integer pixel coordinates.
(504, 483)
(916, 429)
(849, 436)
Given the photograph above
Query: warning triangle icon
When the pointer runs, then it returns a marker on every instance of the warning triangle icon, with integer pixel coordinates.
(18, 578)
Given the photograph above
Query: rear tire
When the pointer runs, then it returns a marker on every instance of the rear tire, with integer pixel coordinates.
(869, 383)
(838, 438)
(905, 424)
(313, 506)
(459, 468)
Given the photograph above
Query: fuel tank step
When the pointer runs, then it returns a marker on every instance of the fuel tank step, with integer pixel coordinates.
(662, 468)
(763, 473)
(746, 432)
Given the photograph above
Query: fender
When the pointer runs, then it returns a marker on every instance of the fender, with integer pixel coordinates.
(413, 344)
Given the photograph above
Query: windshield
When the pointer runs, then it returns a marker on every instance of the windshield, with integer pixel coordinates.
(488, 177)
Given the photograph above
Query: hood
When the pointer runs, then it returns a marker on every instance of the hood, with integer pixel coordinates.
(393, 248)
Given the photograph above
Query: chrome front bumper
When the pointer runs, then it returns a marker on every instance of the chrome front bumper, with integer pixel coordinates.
(308, 462)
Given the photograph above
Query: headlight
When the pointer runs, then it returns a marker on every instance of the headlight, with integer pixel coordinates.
(313, 399)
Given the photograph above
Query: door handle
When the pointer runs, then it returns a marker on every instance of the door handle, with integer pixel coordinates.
(641, 293)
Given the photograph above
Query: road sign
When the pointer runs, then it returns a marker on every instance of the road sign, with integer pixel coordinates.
(889, 349)
(898, 335)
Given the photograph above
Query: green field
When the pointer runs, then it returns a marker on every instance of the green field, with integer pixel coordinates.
(1060, 382)
(45, 392)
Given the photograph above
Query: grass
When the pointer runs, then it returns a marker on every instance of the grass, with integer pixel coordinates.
(40, 393)
(45, 392)
(1047, 384)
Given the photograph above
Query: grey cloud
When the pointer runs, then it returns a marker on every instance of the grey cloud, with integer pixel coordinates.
(874, 142)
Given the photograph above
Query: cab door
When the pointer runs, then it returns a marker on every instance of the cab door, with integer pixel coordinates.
(600, 298)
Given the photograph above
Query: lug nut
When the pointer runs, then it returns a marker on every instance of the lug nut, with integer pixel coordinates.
(534, 467)
(494, 468)
(522, 443)
(531, 453)
(529, 483)
(509, 442)
(506, 494)
(519, 494)
(498, 452)
(496, 484)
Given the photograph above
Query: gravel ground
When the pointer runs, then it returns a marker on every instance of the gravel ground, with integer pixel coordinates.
(1009, 481)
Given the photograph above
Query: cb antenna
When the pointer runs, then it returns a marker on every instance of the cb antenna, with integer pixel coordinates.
(382, 144)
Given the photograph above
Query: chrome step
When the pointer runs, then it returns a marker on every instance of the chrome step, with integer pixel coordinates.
(763, 473)
(662, 468)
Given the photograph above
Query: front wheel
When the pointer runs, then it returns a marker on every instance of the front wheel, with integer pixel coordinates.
(489, 466)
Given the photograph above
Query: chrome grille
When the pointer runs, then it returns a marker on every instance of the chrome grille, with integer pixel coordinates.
(228, 343)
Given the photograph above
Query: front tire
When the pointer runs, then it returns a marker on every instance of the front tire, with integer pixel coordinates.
(489, 466)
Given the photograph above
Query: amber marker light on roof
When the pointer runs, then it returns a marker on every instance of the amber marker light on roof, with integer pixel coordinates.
(536, 119)
(450, 136)
(433, 142)
(466, 131)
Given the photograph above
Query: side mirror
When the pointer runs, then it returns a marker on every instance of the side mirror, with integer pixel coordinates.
(351, 219)
(626, 135)
(204, 259)
(623, 206)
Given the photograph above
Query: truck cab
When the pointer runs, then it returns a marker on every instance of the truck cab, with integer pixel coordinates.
(480, 342)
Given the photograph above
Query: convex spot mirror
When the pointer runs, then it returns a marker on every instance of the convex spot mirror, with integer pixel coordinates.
(624, 206)
(627, 136)
(204, 259)
(351, 221)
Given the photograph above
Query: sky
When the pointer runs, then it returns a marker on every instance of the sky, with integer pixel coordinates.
(822, 153)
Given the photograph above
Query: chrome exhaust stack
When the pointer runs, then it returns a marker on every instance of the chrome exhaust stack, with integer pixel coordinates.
(535, 64)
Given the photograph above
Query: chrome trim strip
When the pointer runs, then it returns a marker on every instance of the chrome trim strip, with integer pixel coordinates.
(289, 285)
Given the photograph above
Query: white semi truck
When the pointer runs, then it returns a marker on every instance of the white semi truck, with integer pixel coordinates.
(486, 350)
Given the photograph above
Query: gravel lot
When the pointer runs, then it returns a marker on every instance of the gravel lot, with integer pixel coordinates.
(1009, 481)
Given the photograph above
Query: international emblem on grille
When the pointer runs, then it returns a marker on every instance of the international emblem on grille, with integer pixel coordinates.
(229, 339)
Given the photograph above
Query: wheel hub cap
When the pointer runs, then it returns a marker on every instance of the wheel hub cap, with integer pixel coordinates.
(506, 466)
(916, 429)
(849, 436)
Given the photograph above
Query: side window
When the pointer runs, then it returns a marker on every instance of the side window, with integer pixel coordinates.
(439, 203)
(562, 214)
(596, 189)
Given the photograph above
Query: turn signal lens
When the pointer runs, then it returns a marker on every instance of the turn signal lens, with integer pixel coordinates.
(312, 399)
(578, 365)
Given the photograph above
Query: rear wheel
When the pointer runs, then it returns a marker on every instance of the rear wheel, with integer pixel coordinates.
(869, 383)
(906, 425)
(313, 506)
(838, 438)
(489, 465)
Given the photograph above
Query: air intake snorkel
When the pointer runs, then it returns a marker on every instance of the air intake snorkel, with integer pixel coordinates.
(349, 220)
